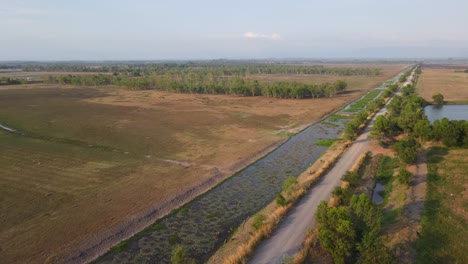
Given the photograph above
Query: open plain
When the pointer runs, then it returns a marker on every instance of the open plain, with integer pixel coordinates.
(452, 83)
(88, 163)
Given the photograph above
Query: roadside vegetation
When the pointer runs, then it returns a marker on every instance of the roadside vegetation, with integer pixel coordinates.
(350, 227)
(407, 130)
(354, 127)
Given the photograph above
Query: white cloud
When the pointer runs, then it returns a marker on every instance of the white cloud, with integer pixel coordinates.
(253, 35)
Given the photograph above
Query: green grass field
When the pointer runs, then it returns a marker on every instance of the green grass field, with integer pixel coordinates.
(444, 222)
(359, 105)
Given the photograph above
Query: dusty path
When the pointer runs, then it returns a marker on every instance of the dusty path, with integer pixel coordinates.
(288, 238)
(417, 190)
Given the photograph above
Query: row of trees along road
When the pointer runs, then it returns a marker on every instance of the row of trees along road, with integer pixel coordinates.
(352, 231)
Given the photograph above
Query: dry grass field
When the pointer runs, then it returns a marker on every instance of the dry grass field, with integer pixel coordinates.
(95, 161)
(453, 85)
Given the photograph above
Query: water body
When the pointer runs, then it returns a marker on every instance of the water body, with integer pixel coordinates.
(204, 224)
(376, 197)
(451, 112)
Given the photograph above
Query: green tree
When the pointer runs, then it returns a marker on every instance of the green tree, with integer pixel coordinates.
(438, 99)
(407, 149)
(382, 128)
(404, 176)
(337, 236)
(351, 129)
(422, 129)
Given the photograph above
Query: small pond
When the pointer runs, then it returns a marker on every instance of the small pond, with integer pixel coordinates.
(451, 112)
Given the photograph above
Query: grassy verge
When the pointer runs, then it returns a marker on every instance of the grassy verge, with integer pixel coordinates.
(462, 102)
(385, 175)
(444, 229)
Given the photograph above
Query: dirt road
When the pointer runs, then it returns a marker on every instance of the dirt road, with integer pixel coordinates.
(288, 238)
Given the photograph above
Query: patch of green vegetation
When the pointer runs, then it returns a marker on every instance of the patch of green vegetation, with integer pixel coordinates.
(258, 221)
(157, 227)
(336, 117)
(329, 124)
(460, 102)
(444, 232)
(390, 217)
(361, 104)
(211, 215)
(174, 239)
(288, 172)
(289, 184)
(286, 135)
(280, 200)
(325, 142)
(121, 246)
(179, 256)
(386, 168)
(385, 175)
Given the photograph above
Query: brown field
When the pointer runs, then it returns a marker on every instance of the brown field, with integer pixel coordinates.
(96, 161)
(453, 85)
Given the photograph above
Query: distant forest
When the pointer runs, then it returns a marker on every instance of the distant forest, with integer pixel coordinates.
(205, 77)
(195, 82)
(227, 68)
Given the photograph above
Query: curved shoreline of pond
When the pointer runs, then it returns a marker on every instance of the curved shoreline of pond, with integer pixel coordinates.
(203, 224)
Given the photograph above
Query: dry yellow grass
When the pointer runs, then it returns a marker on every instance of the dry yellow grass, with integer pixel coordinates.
(453, 85)
(155, 133)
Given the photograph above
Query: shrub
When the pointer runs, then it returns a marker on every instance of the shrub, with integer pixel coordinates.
(121, 246)
(343, 195)
(407, 150)
(289, 184)
(404, 176)
(180, 257)
(280, 200)
(351, 177)
(258, 221)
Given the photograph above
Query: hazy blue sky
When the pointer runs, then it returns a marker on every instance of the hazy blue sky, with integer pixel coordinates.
(202, 29)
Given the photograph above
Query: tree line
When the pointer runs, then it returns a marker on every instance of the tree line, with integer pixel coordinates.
(12, 81)
(208, 84)
(226, 68)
